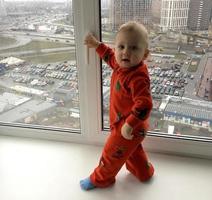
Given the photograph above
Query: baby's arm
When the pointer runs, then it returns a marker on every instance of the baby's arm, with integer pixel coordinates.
(140, 89)
(91, 41)
(104, 51)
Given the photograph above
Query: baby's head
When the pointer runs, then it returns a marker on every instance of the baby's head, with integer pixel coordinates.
(131, 44)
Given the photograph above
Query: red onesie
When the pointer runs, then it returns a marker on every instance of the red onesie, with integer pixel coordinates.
(131, 102)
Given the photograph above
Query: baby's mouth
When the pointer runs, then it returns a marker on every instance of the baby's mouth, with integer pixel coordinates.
(125, 60)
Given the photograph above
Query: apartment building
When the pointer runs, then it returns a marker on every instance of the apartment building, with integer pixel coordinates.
(174, 15)
(3, 11)
(199, 14)
(125, 10)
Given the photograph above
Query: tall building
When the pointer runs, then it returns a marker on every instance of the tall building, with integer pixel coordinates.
(156, 10)
(210, 90)
(3, 11)
(211, 16)
(105, 4)
(174, 15)
(210, 30)
(199, 14)
(122, 11)
(69, 6)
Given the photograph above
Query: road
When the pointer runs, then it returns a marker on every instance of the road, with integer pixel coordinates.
(42, 36)
(30, 52)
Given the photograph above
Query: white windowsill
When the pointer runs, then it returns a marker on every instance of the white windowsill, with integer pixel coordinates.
(46, 170)
(154, 144)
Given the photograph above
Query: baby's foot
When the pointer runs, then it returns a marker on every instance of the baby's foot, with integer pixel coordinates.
(86, 184)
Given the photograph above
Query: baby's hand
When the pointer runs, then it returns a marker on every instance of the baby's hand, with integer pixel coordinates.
(126, 131)
(91, 41)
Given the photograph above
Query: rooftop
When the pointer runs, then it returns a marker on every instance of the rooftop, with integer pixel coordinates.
(202, 112)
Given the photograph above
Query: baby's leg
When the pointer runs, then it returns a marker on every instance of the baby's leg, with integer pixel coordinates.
(139, 165)
(115, 153)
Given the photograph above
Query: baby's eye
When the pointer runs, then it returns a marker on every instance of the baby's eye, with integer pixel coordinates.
(121, 46)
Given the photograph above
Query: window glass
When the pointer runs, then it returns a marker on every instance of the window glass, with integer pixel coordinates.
(38, 70)
(179, 64)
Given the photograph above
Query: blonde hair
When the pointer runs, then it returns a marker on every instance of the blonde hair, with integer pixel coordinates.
(133, 26)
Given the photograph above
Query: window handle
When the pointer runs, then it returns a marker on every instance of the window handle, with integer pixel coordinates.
(87, 55)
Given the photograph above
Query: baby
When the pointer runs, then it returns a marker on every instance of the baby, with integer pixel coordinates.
(130, 106)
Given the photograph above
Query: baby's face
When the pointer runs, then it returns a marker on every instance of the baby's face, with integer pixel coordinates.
(129, 49)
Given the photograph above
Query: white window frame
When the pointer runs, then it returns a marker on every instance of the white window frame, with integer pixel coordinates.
(86, 17)
(88, 77)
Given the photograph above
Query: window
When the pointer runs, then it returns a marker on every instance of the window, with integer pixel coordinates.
(180, 71)
(90, 85)
(38, 67)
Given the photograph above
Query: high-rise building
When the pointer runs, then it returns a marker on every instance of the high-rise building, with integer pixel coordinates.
(210, 90)
(210, 30)
(174, 15)
(211, 16)
(199, 14)
(156, 10)
(3, 11)
(122, 11)
(105, 4)
(70, 16)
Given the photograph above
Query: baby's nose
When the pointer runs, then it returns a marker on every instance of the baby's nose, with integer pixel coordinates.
(126, 51)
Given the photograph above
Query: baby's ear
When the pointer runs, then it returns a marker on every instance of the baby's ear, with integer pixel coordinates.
(146, 53)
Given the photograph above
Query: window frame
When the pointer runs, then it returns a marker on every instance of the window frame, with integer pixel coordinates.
(90, 94)
(88, 77)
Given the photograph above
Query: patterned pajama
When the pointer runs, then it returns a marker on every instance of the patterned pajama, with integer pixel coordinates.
(131, 102)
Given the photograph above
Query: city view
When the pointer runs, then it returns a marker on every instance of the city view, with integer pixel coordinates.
(38, 70)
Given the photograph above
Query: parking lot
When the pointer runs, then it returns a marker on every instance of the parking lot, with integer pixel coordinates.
(170, 76)
(43, 76)
(55, 82)
(170, 79)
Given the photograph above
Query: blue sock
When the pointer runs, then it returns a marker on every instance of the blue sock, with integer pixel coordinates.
(86, 184)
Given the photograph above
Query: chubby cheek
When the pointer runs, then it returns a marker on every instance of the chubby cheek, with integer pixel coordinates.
(136, 59)
(117, 56)
(139, 57)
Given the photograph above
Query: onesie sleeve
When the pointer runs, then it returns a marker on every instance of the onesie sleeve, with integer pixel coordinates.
(106, 54)
(141, 95)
